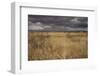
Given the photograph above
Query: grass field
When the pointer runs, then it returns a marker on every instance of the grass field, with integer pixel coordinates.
(57, 45)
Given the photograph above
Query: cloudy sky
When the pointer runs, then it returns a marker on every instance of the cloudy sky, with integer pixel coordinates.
(57, 23)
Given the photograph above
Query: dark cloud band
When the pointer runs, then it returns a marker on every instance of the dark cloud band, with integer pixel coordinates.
(57, 23)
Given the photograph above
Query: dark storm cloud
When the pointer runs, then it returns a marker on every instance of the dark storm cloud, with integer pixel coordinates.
(57, 23)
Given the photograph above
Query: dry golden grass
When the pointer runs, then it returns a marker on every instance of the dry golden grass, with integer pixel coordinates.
(57, 45)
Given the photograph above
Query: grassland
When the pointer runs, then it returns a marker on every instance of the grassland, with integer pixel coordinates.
(57, 45)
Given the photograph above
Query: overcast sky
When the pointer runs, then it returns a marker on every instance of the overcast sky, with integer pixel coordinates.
(57, 23)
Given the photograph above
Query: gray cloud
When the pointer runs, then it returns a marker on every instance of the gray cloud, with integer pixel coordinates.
(57, 23)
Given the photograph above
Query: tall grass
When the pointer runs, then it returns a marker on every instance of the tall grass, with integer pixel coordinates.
(57, 45)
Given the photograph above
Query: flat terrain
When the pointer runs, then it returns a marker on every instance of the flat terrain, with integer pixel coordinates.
(57, 45)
